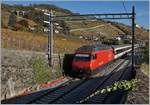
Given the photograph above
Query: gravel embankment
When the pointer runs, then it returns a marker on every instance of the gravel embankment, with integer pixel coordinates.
(141, 94)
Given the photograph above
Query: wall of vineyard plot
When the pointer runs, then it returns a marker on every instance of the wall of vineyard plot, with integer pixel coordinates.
(18, 72)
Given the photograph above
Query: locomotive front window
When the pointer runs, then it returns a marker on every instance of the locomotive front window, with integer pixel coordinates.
(82, 57)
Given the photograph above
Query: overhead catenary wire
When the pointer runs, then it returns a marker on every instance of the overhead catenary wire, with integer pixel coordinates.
(124, 6)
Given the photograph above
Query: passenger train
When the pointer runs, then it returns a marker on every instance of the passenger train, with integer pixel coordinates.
(90, 58)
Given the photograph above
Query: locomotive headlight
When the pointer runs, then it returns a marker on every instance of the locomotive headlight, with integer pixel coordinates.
(93, 56)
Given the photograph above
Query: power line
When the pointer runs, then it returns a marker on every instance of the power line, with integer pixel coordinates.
(124, 6)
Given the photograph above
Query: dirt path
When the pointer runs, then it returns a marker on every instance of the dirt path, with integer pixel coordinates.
(81, 29)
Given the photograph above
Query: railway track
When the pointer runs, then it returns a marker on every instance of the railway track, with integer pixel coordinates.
(108, 98)
(75, 91)
(59, 95)
(89, 87)
(51, 97)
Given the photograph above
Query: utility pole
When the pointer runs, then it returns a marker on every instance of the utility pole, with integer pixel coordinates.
(133, 29)
(50, 37)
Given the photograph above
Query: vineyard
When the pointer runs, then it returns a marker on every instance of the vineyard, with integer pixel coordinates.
(37, 42)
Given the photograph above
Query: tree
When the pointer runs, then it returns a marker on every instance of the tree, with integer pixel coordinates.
(66, 29)
(26, 16)
(12, 20)
(17, 27)
(24, 23)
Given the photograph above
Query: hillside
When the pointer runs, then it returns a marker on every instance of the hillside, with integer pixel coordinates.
(33, 14)
(139, 32)
(31, 23)
(94, 27)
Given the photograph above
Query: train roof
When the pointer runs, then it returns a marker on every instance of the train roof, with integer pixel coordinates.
(95, 47)
(117, 46)
(120, 46)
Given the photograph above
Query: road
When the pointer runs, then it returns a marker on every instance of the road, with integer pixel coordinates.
(82, 29)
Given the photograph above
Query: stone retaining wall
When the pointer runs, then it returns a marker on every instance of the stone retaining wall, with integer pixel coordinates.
(17, 72)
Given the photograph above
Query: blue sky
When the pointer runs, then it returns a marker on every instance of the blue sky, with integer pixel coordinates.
(83, 7)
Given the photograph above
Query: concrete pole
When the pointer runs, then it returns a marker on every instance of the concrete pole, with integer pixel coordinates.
(50, 39)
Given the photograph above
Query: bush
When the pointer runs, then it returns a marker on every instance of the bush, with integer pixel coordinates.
(23, 23)
(111, 42)
(66, 29)
(41, 71)
(118, 85)
(17, 27)
(12, 19)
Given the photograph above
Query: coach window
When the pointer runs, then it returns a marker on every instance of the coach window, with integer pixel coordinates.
(118, 51)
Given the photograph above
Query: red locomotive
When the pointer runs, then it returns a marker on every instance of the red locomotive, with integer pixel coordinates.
(90, 58)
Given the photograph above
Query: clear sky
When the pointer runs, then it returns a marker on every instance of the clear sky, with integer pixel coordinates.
(89, 7)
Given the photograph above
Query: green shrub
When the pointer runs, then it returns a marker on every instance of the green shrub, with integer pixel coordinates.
(124, 84)
(12, 19)
(24, 23)
(41, 71)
